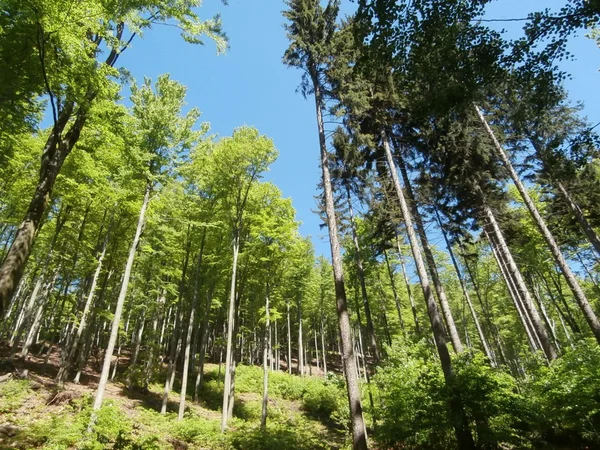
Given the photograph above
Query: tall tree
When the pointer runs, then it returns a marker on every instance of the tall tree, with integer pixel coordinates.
(310, 30)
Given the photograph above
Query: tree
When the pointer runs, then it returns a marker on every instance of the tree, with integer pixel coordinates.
(310, 31)
(74, 78)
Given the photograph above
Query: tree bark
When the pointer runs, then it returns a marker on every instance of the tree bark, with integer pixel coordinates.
(119, 307)
(587, 229)
(484, 343)
(361, 278)
(300, 339)
(520, 285)
(411, 299)
(55, 151)
(230, 326)
(359, 431)
(265, 399)
(69, 352)
(439, 288)
(459, 420)
(289, 338)
(394, 290)
(190, 330)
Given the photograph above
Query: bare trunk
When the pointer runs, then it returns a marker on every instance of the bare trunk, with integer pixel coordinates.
(188, 338)
(55, 151)
(229, 371)
(300, 340)
(289, 339)
(203, 338)
(459, 420)
(323, 350)
(119, 307)
(439, 289)
(484, 343)
(411, 299)
(265, 399)
(514, 294)
(520, 285)
(359, 431)
(363, 286)
(394, 290)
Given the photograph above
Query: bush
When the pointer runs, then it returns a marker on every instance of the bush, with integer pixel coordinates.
(321, 400)
(299, 435)
(567, 398)
(13, 394)
(198, 431)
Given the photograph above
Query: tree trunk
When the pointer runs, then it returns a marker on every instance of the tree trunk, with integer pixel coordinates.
(190, 330)
(69, 352)
(520, 285)
(394, 290)
(587, 229)
(300, 339)
(439, 288)
(582, 301)
(459, 420)
(55, 151)
(323, 350)
(359, 431)
(230, 326)
(119, 307)
(289, 338)
(363, 286)
(484, 343)
(265, 399)
(411, 299)
(203, 338)
(514, 293)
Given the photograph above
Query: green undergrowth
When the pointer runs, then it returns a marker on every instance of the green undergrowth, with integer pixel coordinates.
(304, 413)
(553, 406)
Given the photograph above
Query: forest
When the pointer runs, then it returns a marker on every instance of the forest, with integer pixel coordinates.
(156, 290)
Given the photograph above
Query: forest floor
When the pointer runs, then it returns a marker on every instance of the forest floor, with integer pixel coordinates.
(36, 413)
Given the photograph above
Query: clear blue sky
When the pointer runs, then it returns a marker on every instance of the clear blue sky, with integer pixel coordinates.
(250, 86)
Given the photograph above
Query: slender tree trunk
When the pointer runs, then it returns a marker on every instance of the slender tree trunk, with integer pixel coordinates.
(55, 151)
(177, 319)
(35, 325)
(119, 307)
(265, 399)
(69, 352)
(229, 371)
(359, 431)
(394, 290)
(411, 299)
(582, 301)
(521, 287)
(514, 293)
(300, 340)
(361, 278)
(203, 338)
(439, 288)
(459, 420)
(120, 342)
(484, 343)
(175, 348)
(289, 338)
(188, 338)
(587, 229)
(316, 347)
(323, 349)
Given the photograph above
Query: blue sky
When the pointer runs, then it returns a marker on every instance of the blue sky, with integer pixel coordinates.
(250, 86)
